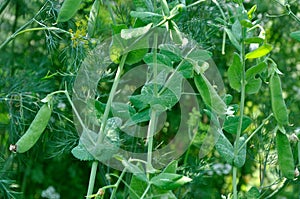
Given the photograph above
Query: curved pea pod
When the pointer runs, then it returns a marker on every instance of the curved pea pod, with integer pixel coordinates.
(278, 105)
(68, 10)
(34, 131)
(285, 155)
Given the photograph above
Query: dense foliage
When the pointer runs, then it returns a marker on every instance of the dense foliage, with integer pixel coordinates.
(47, 48)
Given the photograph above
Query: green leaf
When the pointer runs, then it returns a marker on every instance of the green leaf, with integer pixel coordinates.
(135, 170)
(253, 193)
(143, 5)
(237, 30)
(235, 73)
(172, 51)
(246, 23)
(146, 17)
(198, 55)
(209, 94)
(224, 147)
(81, 153)
(137, 187)
(94, 20)
(260, 52)
(232, 39)
(161, 59)
(240, 159)
(169, 181)
(68, 10)
(285, 155)
(165, 7)
(255, 70)
(135, 32)
(253, 85)
(186, 69)
(139, 117)
(231, 124)
(295, 35)
(171, 167)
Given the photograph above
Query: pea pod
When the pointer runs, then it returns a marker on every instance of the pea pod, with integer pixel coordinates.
(68, 10)
(278, 105)
(285, 155)
(34, 131)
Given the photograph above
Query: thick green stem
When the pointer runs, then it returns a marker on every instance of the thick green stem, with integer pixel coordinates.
(242, 105)
(92, 178)
(112, 93)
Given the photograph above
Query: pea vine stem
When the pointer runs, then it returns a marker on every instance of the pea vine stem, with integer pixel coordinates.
(92, 178)
(112, 93)
(242, 105)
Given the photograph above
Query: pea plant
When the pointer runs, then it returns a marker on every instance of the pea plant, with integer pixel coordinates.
(170, 75)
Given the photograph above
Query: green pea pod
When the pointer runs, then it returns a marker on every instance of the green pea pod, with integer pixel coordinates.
(278, 104)
(68, 10)
(34, 131)
(285, 155)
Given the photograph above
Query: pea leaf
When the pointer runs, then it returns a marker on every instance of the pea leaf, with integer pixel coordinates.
(137, 172)
(209, 94)
(231, 123)
(224, 147)
(68, 10)
(295, 35)
(169, 181)
(81, 153)
(146, 17)
(137, 187)
(240, 159)
(260, 52)
(253, 85)
(139, 117)
(172, 51)
(143, 5)
(235, 73)
(255, 70)
(253, 193)
(171, 167)
(285, 155)
(186, 69)
(237, 30)
(161, 59)
(135, 32)
(232, 39)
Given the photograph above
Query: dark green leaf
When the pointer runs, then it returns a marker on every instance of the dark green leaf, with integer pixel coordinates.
(224, 147)
(161, 59)
(253, 193)
(171, 167)
(235, 73)
(231, 123)
(233, 40)
(81, 153)
(186, 69)
(255, 70)
(172, 51)
(237, 30)
(240, 159)
(253, 85)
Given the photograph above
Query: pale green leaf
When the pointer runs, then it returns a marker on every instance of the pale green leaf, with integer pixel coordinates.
(260, 52)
